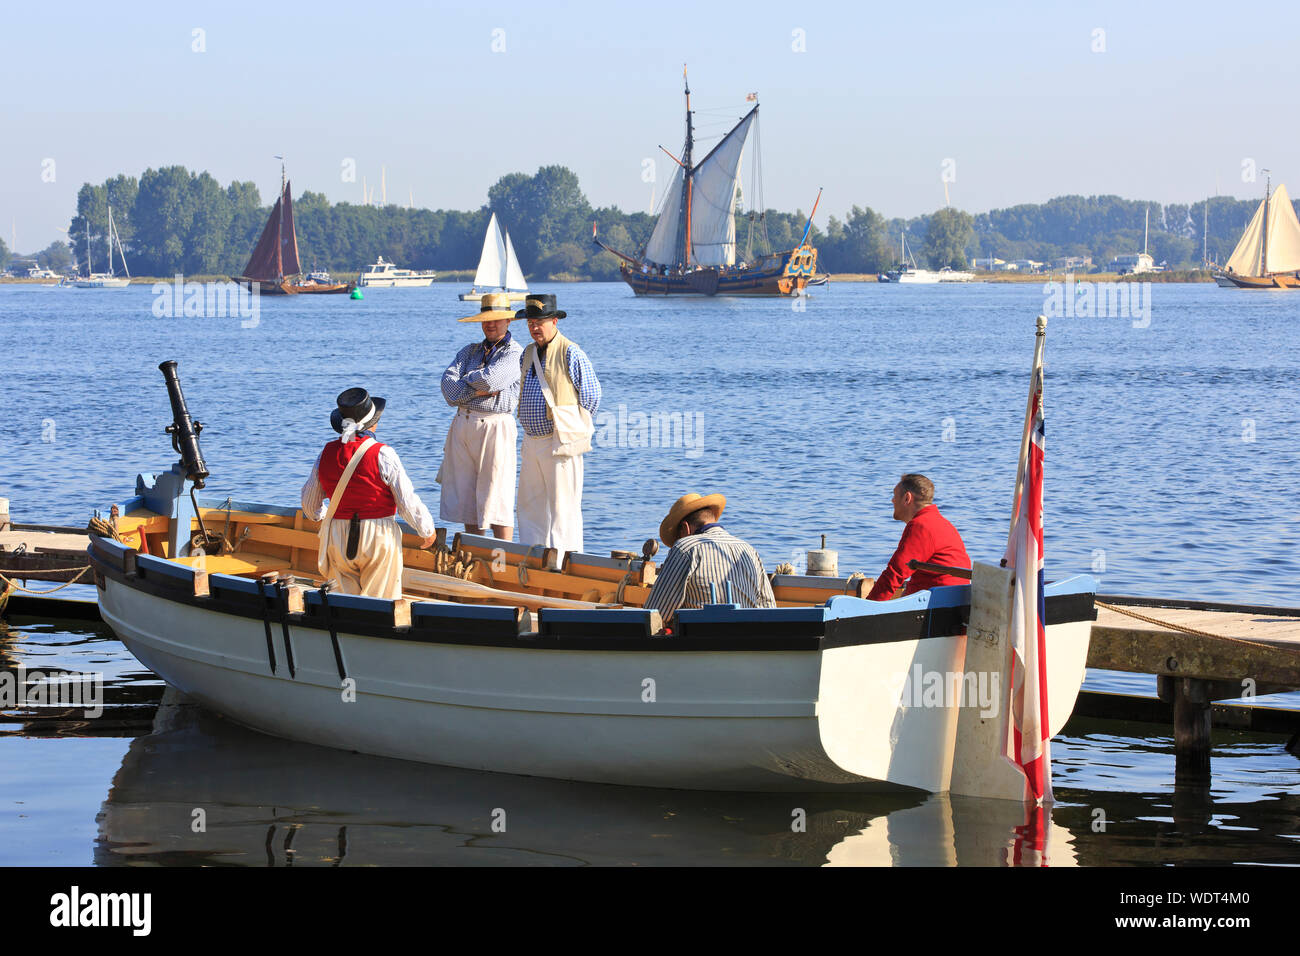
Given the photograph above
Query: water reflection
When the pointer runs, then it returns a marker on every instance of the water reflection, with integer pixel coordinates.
(270, 802)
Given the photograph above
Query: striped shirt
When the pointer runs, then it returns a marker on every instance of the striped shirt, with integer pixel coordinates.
(711, 557)
(494, 368)
(532, 403)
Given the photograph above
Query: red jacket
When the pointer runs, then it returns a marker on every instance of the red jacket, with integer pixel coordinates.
(367, 495)
(929, 536)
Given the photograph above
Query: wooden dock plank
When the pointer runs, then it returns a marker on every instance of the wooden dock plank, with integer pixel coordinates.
(1261, 648)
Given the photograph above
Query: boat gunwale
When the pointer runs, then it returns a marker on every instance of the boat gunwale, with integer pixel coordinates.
(719, 628)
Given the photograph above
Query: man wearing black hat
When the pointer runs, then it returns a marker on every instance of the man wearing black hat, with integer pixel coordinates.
(360, 540)
(558, 397)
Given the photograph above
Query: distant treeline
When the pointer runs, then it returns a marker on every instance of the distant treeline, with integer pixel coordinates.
(174, 221)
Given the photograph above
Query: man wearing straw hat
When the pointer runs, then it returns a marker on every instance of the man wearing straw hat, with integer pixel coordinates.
(706, 564)
(478, 458)
(558, 395)
(360, 540)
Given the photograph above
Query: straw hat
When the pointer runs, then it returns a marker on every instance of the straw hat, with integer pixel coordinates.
(494, 305)
(684, 506)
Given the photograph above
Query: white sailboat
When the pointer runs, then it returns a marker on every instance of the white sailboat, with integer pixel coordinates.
(918, 276)
(1268, 253)
(498, 267)
(105, 280)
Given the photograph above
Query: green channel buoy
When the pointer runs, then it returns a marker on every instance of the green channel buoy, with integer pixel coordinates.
(357, 294)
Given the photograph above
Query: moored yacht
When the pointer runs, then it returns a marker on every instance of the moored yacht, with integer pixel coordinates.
(383, 273)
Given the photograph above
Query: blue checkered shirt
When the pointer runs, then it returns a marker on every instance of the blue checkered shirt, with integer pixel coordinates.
(500, 374)
(532, 403)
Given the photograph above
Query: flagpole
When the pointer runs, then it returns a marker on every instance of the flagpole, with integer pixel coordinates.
(1040, 338)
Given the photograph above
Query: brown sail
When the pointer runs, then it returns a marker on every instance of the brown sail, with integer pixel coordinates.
(276, 255)
(265, 263)
(289, 265)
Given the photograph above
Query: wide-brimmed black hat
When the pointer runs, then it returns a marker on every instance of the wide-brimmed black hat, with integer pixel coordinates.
(358, 405)
(539, 306)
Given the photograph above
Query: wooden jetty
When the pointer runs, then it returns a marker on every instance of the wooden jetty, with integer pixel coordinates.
(1201, 652)
(38, 552)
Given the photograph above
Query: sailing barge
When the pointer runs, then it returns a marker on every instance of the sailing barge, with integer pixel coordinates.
(1268, 254)
(274, 268)
(519, 660)
(692, 250)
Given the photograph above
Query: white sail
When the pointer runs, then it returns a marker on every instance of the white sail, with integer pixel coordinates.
(662, 247)
(513, 277)
(1245, 259)
(491, 263)
(713, 198)
(1283, 232)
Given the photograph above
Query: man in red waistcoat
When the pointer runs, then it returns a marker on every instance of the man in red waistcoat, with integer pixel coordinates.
(363, 552)
(929, 536)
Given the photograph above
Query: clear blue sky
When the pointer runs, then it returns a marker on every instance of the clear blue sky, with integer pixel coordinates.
(1013, 93)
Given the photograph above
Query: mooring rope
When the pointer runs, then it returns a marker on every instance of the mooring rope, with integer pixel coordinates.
(1186, 630)
(10, 585)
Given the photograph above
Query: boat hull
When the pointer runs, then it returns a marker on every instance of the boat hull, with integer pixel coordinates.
(285, 287)
(473, 296)
(783, 709)
(397, 282)
(786, 273)
(118, 282)
(1287, 280)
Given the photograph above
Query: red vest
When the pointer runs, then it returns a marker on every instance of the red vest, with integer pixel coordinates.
(366, 495)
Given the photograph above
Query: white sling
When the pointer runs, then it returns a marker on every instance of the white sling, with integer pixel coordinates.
(573, 427)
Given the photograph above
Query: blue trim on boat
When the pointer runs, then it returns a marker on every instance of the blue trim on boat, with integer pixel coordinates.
(730, 614)
(1078, 584)
(460, 612)
(348, 602)
(231, 582)
(152, 565)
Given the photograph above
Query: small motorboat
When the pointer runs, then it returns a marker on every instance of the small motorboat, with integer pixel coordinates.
(521, 660)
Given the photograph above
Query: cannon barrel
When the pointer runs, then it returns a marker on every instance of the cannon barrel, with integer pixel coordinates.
(184, 430)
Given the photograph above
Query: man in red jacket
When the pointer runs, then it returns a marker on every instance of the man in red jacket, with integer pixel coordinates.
(929, 536)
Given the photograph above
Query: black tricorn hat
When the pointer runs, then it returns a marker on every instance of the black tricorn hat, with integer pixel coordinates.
(357, 404)
(539, 306)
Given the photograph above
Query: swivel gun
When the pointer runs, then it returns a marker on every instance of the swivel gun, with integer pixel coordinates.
(184, 430)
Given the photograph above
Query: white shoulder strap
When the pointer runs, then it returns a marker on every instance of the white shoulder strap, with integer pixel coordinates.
(335, 498)
(541, 380)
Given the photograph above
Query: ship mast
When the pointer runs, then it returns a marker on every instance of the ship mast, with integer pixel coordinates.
(279, 227)
(1268, 184)
(687, 170)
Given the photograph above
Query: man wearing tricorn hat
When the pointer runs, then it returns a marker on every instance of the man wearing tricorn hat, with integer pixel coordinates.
(558, 395)
(706, 564)
(360, 540)
(478, 458)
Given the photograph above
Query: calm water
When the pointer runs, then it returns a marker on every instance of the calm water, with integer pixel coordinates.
(1171, 470)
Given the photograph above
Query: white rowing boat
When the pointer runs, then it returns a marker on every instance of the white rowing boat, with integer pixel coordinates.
(517, 660)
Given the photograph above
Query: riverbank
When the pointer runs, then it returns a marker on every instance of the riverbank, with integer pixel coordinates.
(1187, 275)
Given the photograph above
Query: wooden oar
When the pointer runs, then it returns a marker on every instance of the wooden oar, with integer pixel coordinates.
(444, 584)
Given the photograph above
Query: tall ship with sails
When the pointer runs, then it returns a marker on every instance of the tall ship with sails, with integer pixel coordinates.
(693, 248)
(1268, 254)
(274, 265)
